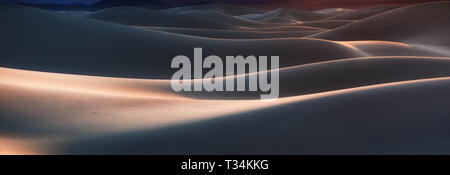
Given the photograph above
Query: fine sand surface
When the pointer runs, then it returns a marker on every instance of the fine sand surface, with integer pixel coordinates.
(406, 118)
(239, 34)
(412, 24)
(361, 14)
(145, 17)
(224, 8)
(327, 24)
(143, 53)
(294, 15)
(367, 81)
(335, 11)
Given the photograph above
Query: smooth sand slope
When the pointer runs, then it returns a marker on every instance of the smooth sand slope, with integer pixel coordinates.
(426, 24)
(239, 34)
(398, 119)
(224, 8)
(327, 24)
(144, 17)
(343, 74)
(211, 23)
(389, 48)
(361, 14)
(49, 110)
(294, 15)
(82, 46)
(369, 81)
(43, 109)
(223, 17)
(335, 11)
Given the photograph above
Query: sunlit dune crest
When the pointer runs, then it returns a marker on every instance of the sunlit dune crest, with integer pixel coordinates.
(133, 88)
(128, 102)
(129, 110)
(14, 146)
(145, 93)
(355, 43)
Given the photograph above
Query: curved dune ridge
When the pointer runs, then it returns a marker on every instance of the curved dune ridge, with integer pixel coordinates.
(239, 34)
(367, 81)
(225, 18)
(143, 53)
(412, 24)
(295, 15)
(105, 113)
(78, 112)
(335, 11)
(224, 8)
(361, 14)
(144, 17)
(342, 74)
(386, 119)
(327, 24)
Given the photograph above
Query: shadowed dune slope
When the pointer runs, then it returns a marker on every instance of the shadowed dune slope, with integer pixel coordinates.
(288, 14)
(388, 48)
(335, 11)
(225, 18)
(296, 80)
(236, 34)
(370, 81)
(87, 113)
(349, 73)
(282, 28)
(426, 23)
(343, 74)
(385, 120)
(224, 8)
(49, 105)
(361, 13)
(79, 45)
(144, 17)
(327, 24)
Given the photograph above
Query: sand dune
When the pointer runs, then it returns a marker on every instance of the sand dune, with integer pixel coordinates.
(85, 104)
(244, 32)
(68, 108)
(144, 17)
(225, 18)
(224, 8)
(411, 24)
(390, 119)
(280, 20)
(51, 108)
(282, 28)
(369, 81)
(237, 34)
(343, 74)
(335, 11)
(388, 48)
(296, 80)
(361, 14)
(327, 24)
(288, 14)
(84, 46)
